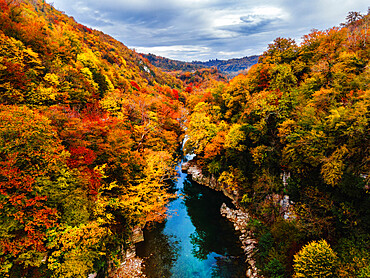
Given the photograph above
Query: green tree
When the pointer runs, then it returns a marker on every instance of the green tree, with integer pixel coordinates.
(315, 260)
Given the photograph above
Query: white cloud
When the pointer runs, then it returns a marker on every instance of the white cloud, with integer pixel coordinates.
(206, 29)
(176, 52)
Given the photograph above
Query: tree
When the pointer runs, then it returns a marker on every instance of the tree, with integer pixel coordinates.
(75, 249)
(20, 68)
(30, 160)
(315, 260)
(201, 129)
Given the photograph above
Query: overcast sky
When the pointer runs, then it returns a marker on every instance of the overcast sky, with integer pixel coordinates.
(207, 29)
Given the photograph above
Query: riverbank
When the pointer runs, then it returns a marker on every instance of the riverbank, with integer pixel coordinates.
(237, 216)
(249, 244)
(131, 265)
(196, 174)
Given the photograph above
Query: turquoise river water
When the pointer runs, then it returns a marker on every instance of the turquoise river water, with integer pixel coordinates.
(194, 240)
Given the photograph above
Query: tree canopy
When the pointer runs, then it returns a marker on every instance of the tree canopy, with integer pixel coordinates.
(296, 124)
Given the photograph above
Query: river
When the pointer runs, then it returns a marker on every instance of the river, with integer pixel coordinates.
(194, 240)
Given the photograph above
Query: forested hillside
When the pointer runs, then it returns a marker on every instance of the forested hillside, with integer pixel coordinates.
(88, 137)
(90, 134)
(170, 65)
(231, 67)
(296, 126)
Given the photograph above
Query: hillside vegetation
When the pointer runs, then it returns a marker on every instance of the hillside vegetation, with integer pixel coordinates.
(88, 138)
(90, 134)
(302, 114)
(231, 67)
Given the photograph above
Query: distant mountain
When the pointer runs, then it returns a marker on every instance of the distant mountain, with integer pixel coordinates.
(171, 65)
(230, 67)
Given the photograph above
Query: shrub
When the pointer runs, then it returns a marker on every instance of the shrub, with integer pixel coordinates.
(275, 269)
(316, 259)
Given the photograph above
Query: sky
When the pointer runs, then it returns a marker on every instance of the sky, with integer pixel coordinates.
(189, 30)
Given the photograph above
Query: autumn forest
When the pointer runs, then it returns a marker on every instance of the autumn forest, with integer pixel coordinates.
(91, 132)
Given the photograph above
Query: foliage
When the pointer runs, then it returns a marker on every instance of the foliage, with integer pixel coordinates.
(90, 129)
(316, 259)
(231, 67)
(354, 256)
(296, 124)
(88, 138)
(31, 159)
(275, 269)
(74, 249)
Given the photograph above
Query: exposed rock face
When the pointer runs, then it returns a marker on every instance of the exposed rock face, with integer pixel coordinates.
(197, 175)
(130, 267)
(185, 166)
(137, 235)
(286, 207)
(240, 220)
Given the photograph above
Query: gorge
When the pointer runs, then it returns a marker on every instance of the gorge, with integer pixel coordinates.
(194, 240)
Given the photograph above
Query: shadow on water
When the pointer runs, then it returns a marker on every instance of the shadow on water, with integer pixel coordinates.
(213, 233)
(159, 251)
(203, 207)
(195, 240)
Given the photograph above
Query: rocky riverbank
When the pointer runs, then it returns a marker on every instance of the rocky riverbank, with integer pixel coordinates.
(194, 170)
(131, 266)
(237, 216)
(249, 245)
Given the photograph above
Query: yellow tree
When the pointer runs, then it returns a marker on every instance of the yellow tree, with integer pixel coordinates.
(316, 260)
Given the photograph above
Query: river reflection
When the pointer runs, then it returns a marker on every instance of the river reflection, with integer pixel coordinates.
(195, 240)
(160, 251)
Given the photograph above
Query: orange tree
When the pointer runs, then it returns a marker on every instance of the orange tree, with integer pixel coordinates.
(35, 182)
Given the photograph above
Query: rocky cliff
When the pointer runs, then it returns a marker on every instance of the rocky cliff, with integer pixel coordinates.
(210, 181)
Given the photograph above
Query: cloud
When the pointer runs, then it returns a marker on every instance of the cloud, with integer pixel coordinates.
(207, 29)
